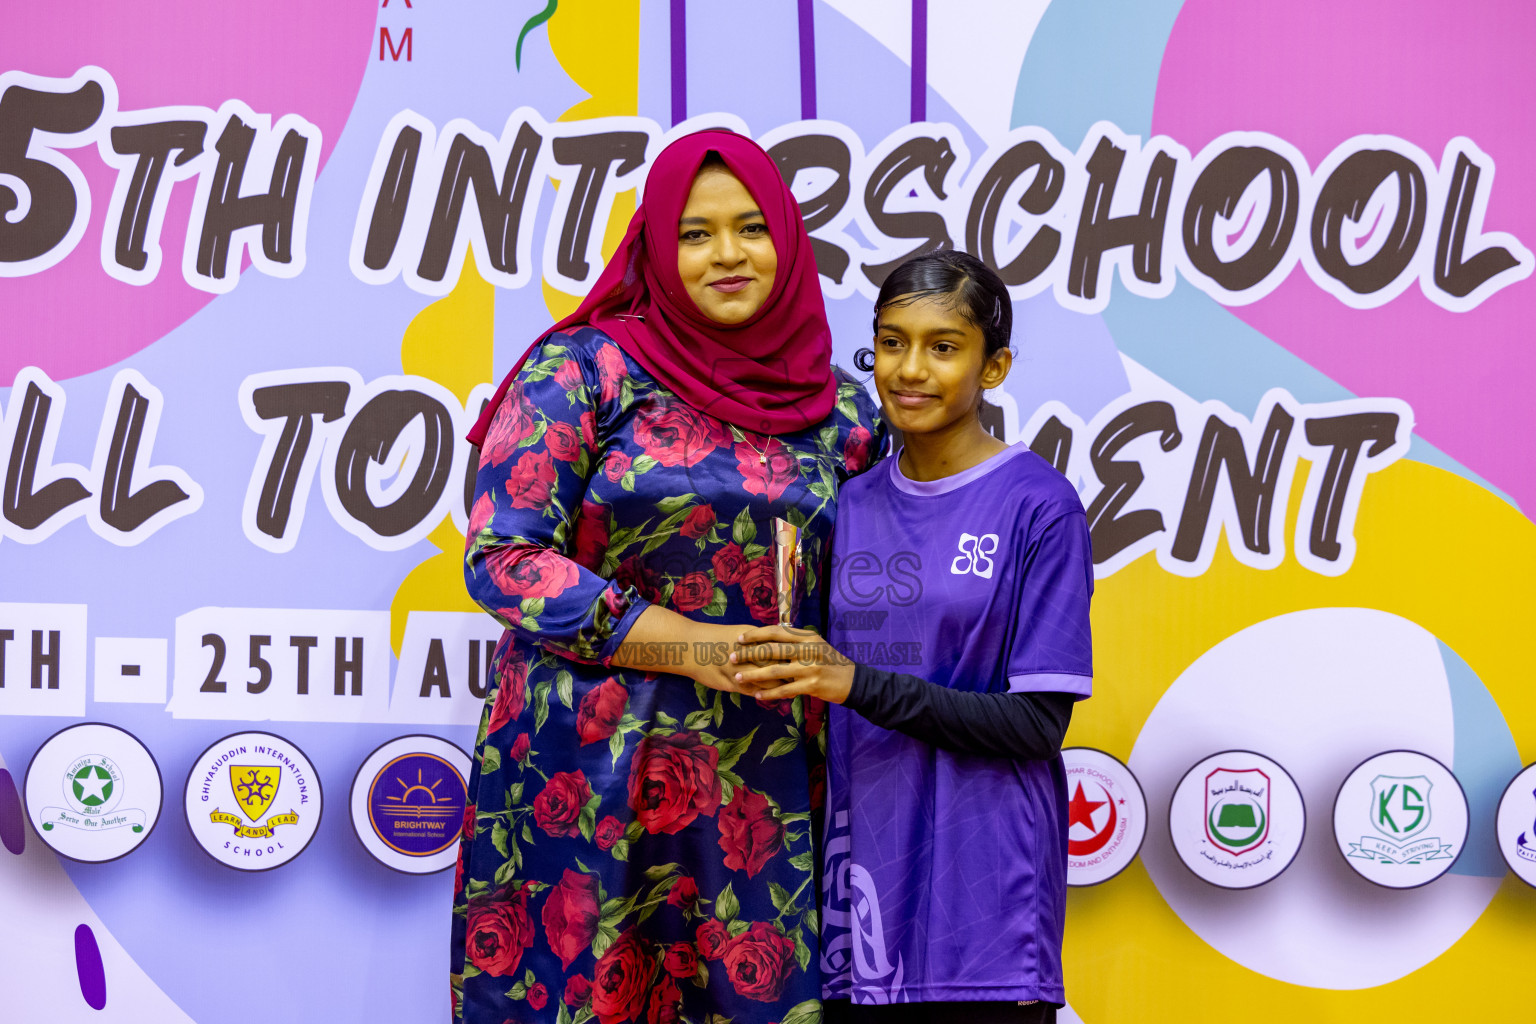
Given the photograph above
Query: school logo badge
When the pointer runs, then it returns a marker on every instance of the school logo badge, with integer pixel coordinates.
(255, 787)
(407, 803)
(253, 801)
(1080, 812)
(1106, 816)
(1400, 806)
(94, 792)
(1400, 819)
(1237, 819)
(1525, 846)
(1237, 809)
(1515, 825)
(90, 782)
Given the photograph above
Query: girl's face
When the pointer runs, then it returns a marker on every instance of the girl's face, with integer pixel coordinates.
(931, 365)
(725, 258)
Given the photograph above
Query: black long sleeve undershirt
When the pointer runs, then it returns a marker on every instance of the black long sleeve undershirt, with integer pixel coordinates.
(1017, 725)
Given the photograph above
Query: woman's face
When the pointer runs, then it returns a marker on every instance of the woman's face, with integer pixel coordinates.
(724, 255)
(931, 365)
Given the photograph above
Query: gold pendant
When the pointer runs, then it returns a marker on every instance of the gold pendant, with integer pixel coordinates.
(762, 460)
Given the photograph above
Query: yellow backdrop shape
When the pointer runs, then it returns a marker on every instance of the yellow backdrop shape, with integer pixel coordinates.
(1433, 548)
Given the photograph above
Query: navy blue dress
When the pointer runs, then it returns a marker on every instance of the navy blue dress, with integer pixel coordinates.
(638, 847)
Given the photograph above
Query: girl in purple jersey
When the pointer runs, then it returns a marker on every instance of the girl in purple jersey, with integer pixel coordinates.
(962, 576)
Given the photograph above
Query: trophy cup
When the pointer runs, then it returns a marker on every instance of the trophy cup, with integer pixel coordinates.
(787, 570)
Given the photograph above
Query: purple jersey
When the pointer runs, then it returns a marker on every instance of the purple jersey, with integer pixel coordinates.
(945, 873)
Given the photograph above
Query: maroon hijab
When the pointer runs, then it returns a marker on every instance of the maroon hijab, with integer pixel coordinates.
(772, 373)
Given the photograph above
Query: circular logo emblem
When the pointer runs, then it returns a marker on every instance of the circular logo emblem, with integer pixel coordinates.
(253, 801)
(93, 792)
(1516, 825)
(1400, 819)
(1237, 819)
(1106, 816)
(408, 803)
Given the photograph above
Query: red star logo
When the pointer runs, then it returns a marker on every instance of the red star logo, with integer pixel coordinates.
(1080, 809)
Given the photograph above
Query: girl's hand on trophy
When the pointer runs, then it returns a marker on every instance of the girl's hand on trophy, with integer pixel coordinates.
(775, 662)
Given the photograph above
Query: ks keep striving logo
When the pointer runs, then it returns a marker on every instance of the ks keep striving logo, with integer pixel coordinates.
(1400, 819)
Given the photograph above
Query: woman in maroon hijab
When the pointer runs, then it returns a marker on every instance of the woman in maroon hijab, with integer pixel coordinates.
(639, 845)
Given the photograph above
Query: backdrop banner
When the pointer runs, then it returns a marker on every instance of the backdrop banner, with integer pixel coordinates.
(261, 266)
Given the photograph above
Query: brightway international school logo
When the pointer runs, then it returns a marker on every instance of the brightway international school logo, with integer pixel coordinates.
(1415, 819)
(1515, 825)
(253, 801)
(1237, 819)
(1106, 816)
(407, 803)
(93, 792)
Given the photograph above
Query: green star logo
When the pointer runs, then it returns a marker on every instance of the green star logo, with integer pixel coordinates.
(92, 785)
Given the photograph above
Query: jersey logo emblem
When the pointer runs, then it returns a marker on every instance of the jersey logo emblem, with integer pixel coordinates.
(974, 556)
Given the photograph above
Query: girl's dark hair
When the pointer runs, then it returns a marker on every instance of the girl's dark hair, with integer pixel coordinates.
(973, 288)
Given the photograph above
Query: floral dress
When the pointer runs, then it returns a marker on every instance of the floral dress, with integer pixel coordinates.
(639, 847)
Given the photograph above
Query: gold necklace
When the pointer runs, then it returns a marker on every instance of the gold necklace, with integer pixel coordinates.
(762, 456)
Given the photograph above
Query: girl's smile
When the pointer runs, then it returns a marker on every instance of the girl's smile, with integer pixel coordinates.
(931, 367)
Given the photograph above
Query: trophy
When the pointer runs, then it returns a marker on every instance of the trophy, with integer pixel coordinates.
(787, 569)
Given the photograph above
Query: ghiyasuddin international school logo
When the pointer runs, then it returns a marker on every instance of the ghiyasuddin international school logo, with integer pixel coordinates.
(1400, 813)
(1237, 809)
(255, 787)
(253, 801)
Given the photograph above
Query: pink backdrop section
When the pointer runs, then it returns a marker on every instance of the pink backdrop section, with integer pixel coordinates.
(1315, 72)
(279, 56)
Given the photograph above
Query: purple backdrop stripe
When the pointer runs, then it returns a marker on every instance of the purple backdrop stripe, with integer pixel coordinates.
(807, 60)
(88, 966)
(13, 830)
(919, 60)
(679, 21)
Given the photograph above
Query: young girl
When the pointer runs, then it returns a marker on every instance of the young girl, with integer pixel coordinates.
(964, 562)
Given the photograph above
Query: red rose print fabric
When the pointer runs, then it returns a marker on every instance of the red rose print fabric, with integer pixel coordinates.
(750, 832)
(672, 780)
(557, 809)
(640, 849)
(600, 711)
(571, 915)
(514, 421)
(622, 979)
(511, 694)
(758, 961)
(499, 929)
